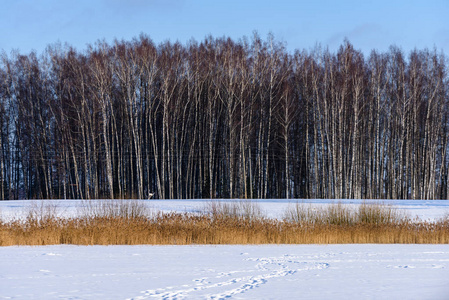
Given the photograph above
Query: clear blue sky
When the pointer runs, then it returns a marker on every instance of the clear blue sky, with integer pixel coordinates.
(368, 24)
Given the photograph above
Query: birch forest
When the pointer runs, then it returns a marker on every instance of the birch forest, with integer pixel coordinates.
(223, 118)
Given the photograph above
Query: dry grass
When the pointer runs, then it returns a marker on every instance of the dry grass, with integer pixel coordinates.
(343, 214)
(245, 209)
(124, 222)
(128, 209)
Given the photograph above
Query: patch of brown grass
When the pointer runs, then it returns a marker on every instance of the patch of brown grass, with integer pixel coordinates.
(343, 214)
(126, 223)
(245, 209)
(128, 209)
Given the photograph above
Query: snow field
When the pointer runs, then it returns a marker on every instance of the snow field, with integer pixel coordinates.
(219, 272)
(273, 208)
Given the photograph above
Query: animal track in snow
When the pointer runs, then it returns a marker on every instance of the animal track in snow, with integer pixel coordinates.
(265, 269)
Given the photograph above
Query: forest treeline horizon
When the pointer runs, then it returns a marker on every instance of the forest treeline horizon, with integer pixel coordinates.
(222, 118)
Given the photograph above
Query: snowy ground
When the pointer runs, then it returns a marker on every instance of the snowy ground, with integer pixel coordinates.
(215, 272)
(273, 208)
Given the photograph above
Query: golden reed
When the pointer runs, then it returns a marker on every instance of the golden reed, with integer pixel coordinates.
(124, 222)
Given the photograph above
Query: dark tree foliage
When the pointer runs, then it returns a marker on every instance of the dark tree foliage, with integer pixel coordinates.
(223, 119)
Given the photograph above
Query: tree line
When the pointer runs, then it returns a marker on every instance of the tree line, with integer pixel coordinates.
(223, 119)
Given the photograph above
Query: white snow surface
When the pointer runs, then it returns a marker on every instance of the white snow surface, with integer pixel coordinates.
(217, 272)
(429, 210)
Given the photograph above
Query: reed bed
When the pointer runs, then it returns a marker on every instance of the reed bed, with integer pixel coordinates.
(343, 214)
(124, 222)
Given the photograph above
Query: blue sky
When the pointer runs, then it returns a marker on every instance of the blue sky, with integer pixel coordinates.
(409, 24)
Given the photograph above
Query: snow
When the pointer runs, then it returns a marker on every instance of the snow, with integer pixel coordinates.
(217, 272)
(273, 208)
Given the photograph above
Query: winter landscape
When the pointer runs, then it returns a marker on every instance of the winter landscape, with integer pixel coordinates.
(360, 271)
(238, 126)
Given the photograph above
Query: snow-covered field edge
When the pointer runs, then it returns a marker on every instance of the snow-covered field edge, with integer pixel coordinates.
(426, 210)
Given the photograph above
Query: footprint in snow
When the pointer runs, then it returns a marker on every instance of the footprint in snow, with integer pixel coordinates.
(264, 270)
